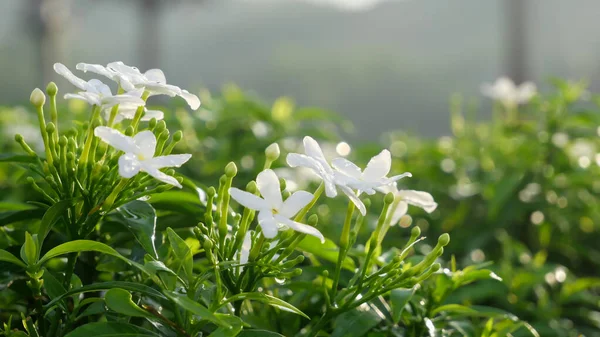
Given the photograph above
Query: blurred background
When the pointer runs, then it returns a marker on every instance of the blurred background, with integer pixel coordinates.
(384, 64)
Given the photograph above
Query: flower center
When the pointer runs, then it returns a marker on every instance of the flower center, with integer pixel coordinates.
(274, 211)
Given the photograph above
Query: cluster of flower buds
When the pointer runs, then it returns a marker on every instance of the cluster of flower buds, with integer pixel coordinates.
(80, 169)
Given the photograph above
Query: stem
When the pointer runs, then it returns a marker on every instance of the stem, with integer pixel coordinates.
(90, 136)
(344, 240)
(72, 260)
(110, 200)
(310, 205)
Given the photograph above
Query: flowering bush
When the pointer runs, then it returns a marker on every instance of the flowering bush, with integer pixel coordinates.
(125, 246)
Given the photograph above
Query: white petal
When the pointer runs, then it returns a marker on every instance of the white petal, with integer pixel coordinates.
(355, 199)
(400, 211)
(346, 167)
(378, 167)
(246, 246)
(300, 160)
(268, 186)
(192, 100)
(313, 149)
(391, 188)
(116, 139)
(97, 69)
(299, 227)
(393, 179)
(146, 141)
(156, 75)
(295, 203)
(80, 97)
(154, 172)
(161, 89)
(126, 70)
(129, 165)
(525, 92)
(268, 224)
(420, 199)
(153, 114)
(63, 71)
(248, 199)
(172, 160)
(98, 87)
(109, 101)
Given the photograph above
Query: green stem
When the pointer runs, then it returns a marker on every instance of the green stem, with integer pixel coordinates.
(344, 241)
(88, 141)
(310, 205)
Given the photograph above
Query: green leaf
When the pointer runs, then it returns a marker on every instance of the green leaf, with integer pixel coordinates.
(131, 286)
(53, 287)
(80, 246)
(30, 249)
(183, 254)
(195, 308)
(328, 251)
(236, 326)
(399, 298)
(581, 284)
(454, 309)
(9, 217)
(17, 158)
(268, 299)
(119, 300)
(259, 333)
(357, 322)
(140, 218)
(111, 329)
(8, 257)
(51, 216)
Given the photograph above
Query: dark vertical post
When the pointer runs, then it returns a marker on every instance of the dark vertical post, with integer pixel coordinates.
(149, 34)
(516, 39)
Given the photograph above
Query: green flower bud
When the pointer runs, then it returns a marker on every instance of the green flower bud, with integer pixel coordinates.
(416, 231)
(211, 191)
(164, 135)
(19, 138)
(177, 136)
(160, 126)
(129, 131)
(152, 123)
(62, 141)
(170, 172)
(37, 97)
(51, 89)
(251, 187)
(313, 220)
(435, 267)
(70, 156)
(30, 180)
(389, 198)
(444, 239)
(231, 170)
(272, 152)
(367, 202)
(50, 128)
(282, 184)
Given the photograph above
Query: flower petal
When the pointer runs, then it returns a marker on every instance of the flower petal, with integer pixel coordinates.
(313, 149)
(129, 165)
(192, 100)
(355, 199)
(116, 139)
(146, 141)
(268, 185)
(346, 167)
(299, 227)
(172, 160)
(156, 75)
(248, 199)
(295, 202)
(420, 199)
(97, 69)
(399, 211)
(63, 71)
(98, 87)
(153, 114)
(378, 167)
(154, 172)
(300, 160)
(268, 224)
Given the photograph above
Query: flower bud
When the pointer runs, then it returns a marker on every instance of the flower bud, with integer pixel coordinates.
(211, 191)
(389, 198)
(251, 187)
(177, 136)
(444, 239)
(37, 97)
(62, 141)
(18, 138)
(129, 131)
(435, 267)
(313, 220)
(160, 127)
(272, 152)
(415, 232)
(170, 172)
(231, 170)
(152, 123)
(52, 89)
(50, 128)
(70, 156)
(282, 184)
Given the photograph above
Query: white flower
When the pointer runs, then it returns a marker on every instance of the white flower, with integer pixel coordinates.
(139, 154)
(97, 93)
(245, 251)
(106, 72)
(273, 212)
(128, 112)
(509, 94)
(420, 199)
(374, 175)
(314, 159)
